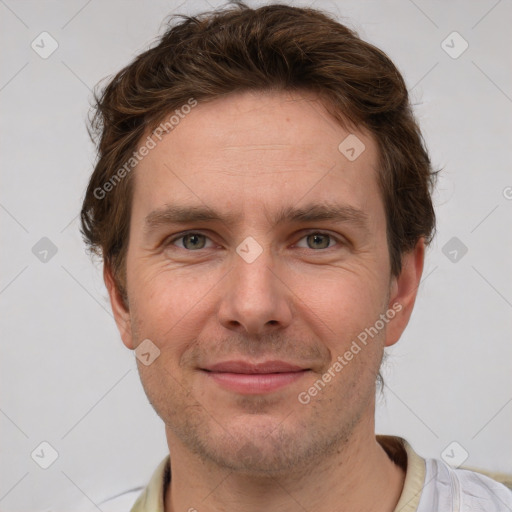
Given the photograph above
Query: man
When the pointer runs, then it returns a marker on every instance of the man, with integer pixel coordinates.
(262, 203)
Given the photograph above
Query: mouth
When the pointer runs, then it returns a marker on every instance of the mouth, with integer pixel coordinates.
(254, 378)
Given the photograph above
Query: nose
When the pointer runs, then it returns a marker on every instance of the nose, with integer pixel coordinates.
(256, 299)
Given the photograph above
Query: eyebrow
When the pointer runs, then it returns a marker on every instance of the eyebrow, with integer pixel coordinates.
(175, 214)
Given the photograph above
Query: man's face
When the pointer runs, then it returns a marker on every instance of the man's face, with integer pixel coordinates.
(258, 284)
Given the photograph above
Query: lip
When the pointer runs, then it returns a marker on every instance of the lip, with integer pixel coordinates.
(254, 378)
(245, 367)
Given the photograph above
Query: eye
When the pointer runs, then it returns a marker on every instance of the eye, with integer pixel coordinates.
(194, 241)
(318, 240)
(190, 241)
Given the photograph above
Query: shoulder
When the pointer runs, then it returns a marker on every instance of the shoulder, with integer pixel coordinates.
(431, 485)
(480, 490)
(462, 490)
(143, 499)
(122, 502)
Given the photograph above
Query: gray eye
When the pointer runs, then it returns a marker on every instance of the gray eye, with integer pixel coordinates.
(318, 241)
(193, 241)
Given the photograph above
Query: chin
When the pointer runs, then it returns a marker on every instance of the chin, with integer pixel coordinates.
(261, 445)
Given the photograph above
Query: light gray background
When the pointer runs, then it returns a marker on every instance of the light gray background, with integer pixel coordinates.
(66, 377)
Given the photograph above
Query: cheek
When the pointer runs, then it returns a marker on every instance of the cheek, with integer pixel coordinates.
(344, 300)
(170, 304)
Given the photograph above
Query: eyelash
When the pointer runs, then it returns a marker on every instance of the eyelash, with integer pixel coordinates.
(184, 234)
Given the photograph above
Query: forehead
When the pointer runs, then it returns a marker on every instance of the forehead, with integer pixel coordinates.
(250, 152)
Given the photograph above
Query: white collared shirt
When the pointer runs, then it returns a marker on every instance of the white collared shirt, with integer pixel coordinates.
(430, 486)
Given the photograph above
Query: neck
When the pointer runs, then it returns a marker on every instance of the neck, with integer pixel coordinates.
(357, 475)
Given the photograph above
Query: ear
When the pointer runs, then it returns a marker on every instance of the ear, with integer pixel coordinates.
(403, 290)
(121, 314)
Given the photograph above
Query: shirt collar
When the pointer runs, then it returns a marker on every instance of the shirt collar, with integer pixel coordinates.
(399, 451)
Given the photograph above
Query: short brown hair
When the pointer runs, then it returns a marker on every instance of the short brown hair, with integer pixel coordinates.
(271, 48)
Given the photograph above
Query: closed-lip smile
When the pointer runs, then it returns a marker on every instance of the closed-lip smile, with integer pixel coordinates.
(254, 378)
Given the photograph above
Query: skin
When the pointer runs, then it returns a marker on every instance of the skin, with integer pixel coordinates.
(302, 300)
